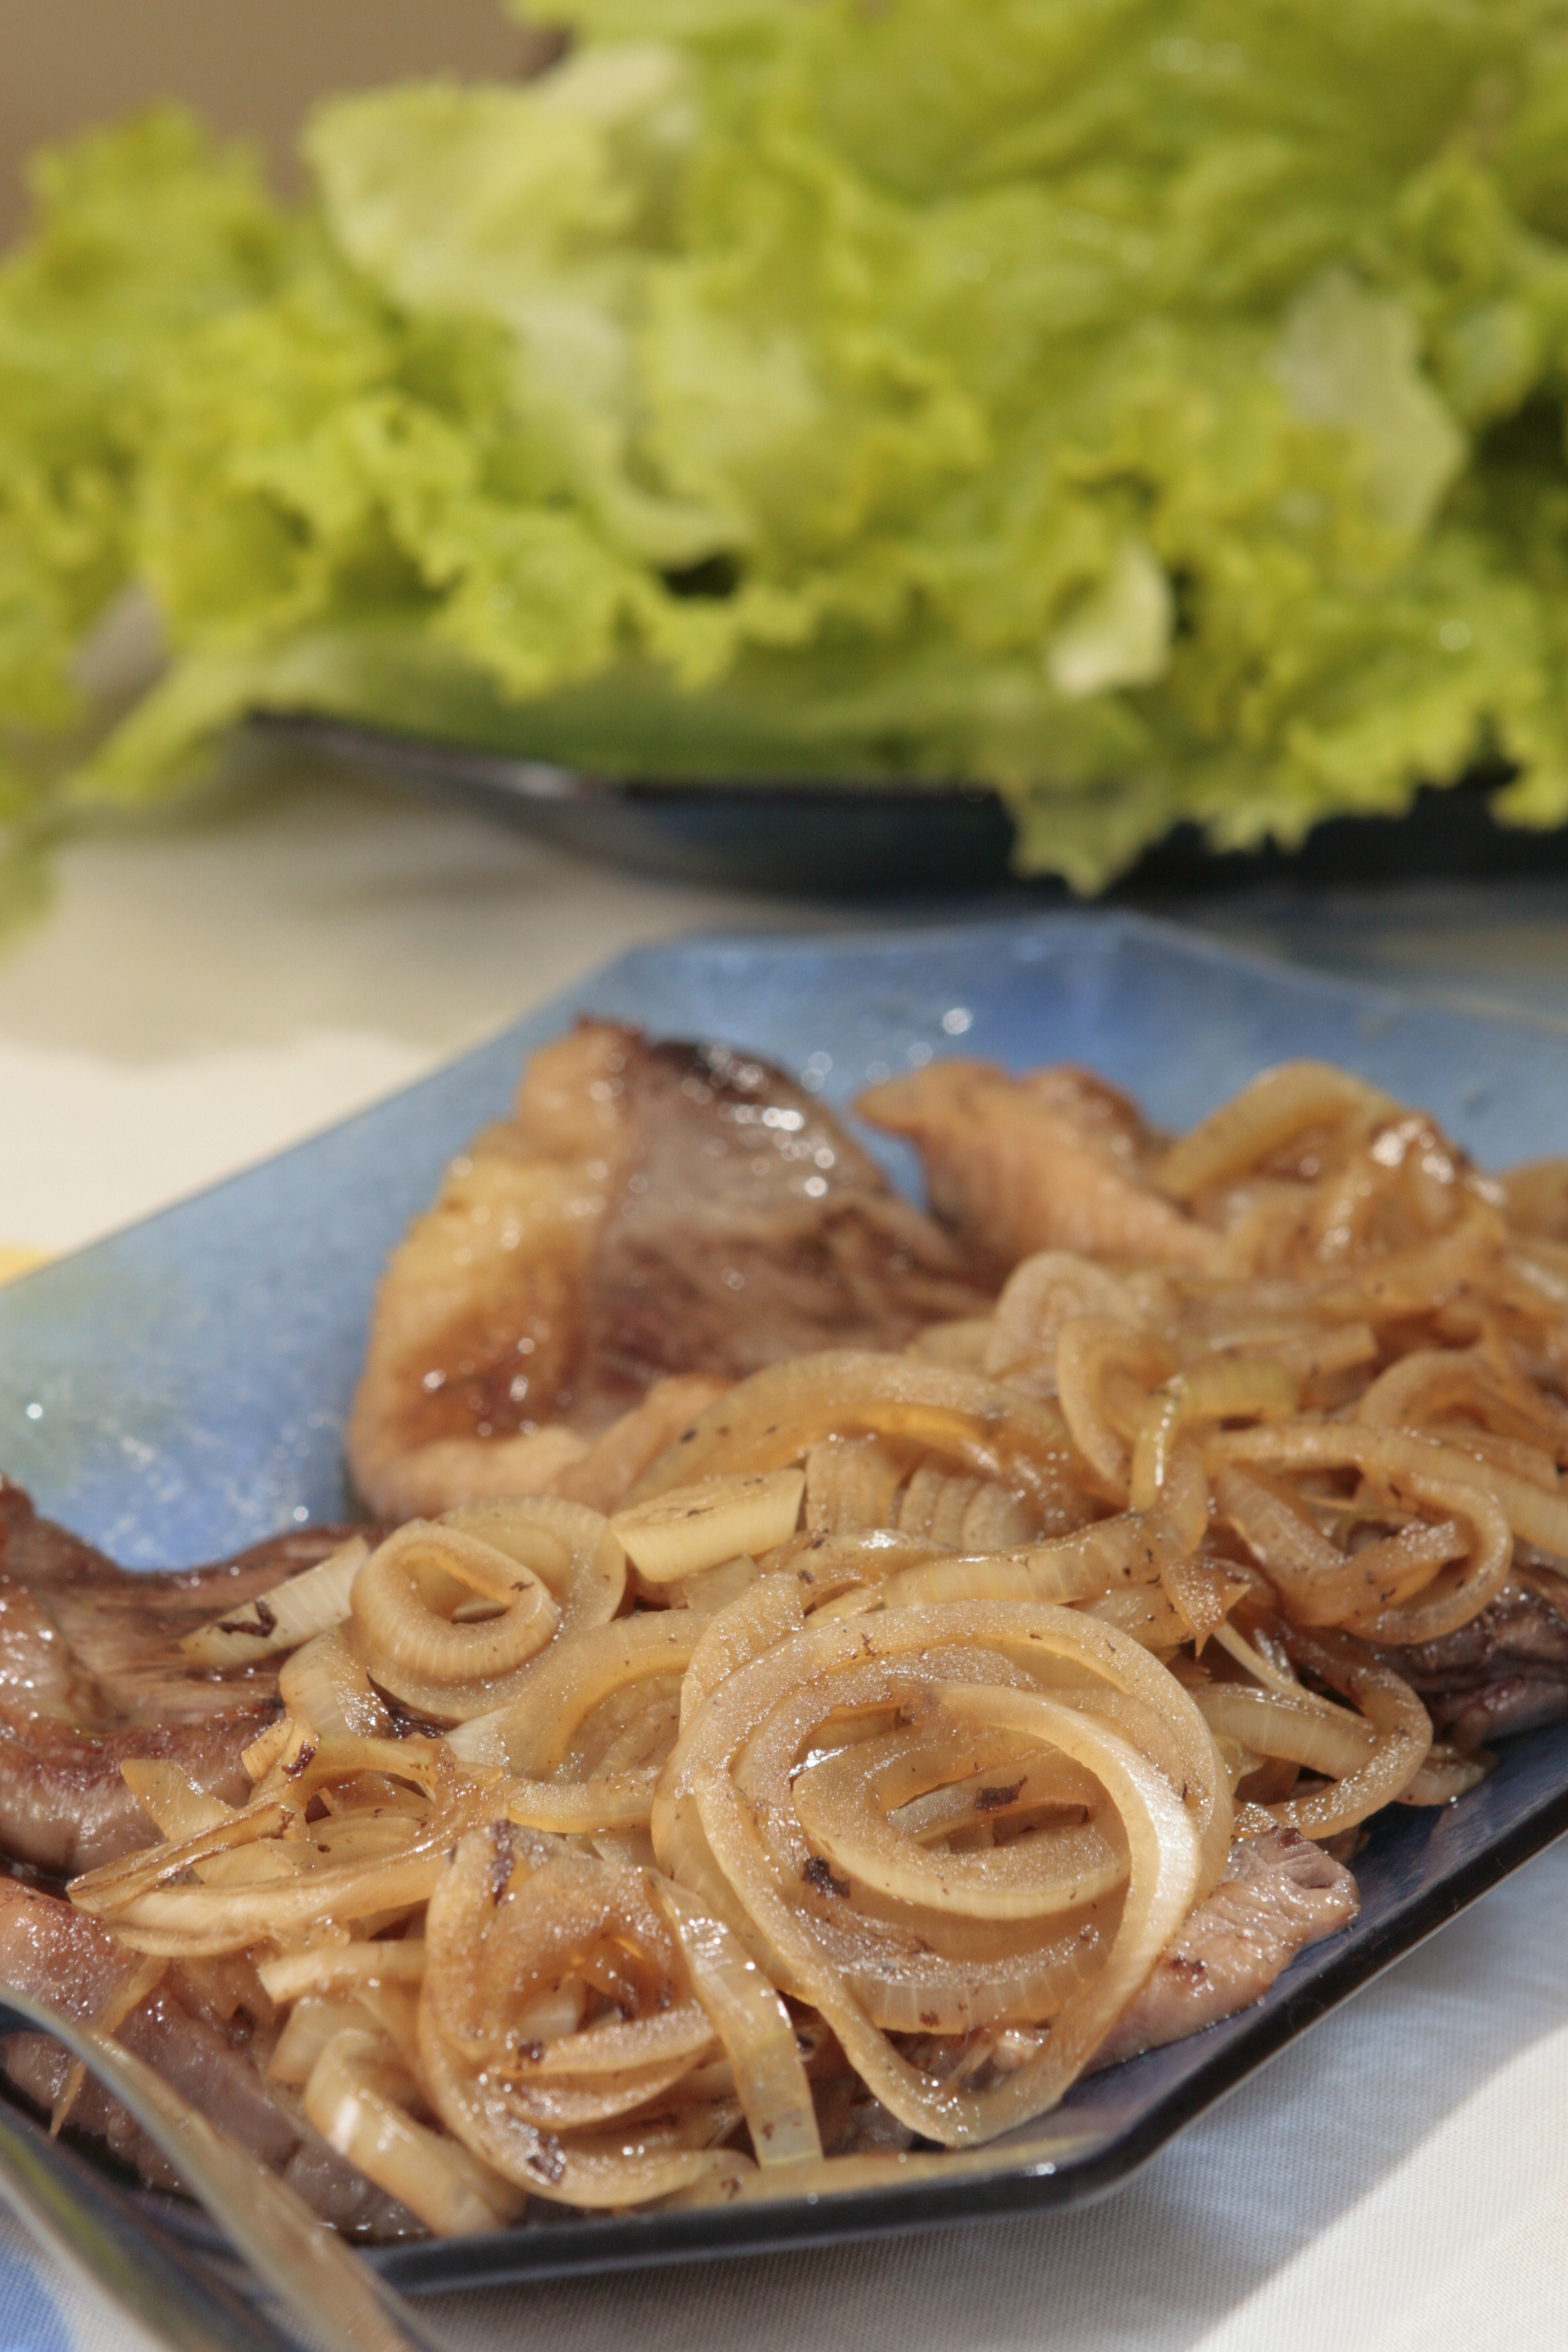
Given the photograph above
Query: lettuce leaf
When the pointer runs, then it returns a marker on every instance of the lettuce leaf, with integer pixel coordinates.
(1152, 407)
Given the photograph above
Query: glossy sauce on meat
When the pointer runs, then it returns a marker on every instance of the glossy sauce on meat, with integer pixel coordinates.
(1279, 1893)
(203, 2040)
(1506, 1671)
(91, 1674)
(1052, 1160)
(650, 1212)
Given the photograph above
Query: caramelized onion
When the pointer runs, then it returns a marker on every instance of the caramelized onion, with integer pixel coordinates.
(728, 1825)
(776, 1418)
(423, 1629)
(283, 1617)
(1279, 1104)
(498, 1935)
(358, 2097)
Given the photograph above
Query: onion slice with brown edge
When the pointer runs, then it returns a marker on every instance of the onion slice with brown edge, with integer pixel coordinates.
(1449, 1483)
(358, 2095)
(573, 1550)
(414, 1602)
(757, 2030)
(1058, 1683)
(493, 1945)
(776, 1417)
(282, 1617)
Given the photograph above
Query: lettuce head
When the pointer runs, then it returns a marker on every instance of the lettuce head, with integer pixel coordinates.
(1154, 408)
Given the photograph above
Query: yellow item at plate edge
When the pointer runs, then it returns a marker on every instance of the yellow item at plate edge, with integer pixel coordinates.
(17, 1257)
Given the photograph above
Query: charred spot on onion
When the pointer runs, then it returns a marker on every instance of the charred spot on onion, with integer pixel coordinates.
(992, 1800)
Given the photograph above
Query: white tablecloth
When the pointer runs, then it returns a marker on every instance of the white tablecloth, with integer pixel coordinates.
(208, 991)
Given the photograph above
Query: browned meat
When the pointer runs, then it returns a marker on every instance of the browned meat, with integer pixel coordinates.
(1506, 1671)
(649, 1212)
(63, 1804)
(62, 1957)
(1051, 1161)
(1537, 1197)
(91, 1674)
(1279, 1893)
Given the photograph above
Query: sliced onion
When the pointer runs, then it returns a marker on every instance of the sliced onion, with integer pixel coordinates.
(604, 1473)
(1222, 1387)
(1162, 1884)
(1438, 1476)
(1448, 1774)
(311, 2024)
(325, 1687)
(1372, 1760)
(1203, 1593)
(768, 1613)
(409, 1601)
(774, 1417)
(688, 1528)
(727, 1828)
(848, 1805)
(1432, 1383)
(178, 1807)
(531, 1733)
(1102, 1363)
(282, 1617)
(271, 1876)
(342, 1968)
(757, 2030)
(358, 2096)
(1280, 1103)
(497, 1937)
(1040, 1294)
(852, 1483)
(1423, 1277)
(1126, 1550)
(534, 1736)
(574, 1551)
(962, 1342)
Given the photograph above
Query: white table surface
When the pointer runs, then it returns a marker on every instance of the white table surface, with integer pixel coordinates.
(208, 990)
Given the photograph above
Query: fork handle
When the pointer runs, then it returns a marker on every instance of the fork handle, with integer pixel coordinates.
(85, 2218)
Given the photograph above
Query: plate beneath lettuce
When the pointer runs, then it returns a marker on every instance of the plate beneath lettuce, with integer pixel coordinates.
(874, 840)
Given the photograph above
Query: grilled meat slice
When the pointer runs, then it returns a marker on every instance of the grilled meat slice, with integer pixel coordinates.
(651, 1213)
(91, 1672)
(64, 1807)
(1506, 1671)
(1279, 1893)
(1054, 1159)
(71, 1961)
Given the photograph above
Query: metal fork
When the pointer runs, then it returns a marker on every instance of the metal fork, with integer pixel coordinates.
(331, 2300)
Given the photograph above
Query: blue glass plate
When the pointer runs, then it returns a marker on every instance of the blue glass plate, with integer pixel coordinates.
(180, 1391)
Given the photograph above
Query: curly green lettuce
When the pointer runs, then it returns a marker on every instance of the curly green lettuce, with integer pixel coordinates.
(1155, 410)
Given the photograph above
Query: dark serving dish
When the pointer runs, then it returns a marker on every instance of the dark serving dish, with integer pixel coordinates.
(857, 841)
(179, 1390)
